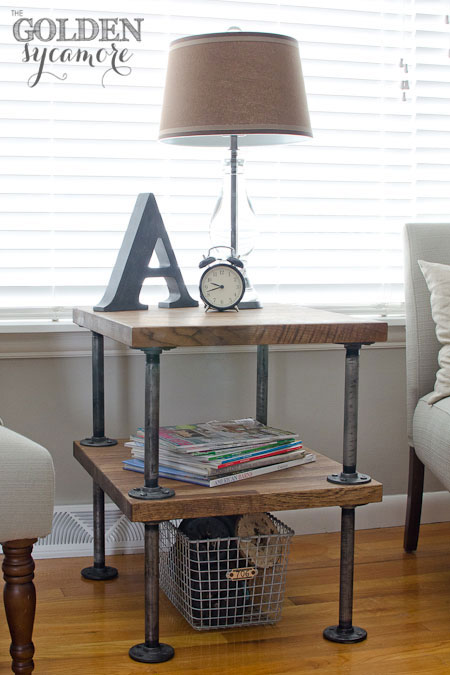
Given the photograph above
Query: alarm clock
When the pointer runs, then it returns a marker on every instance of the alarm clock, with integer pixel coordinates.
(222, 284)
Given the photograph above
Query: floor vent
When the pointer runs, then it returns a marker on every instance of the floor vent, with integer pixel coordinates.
(72, 533)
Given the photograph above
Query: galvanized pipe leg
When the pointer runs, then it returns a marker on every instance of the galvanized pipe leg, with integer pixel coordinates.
(349, 475)
(151, 489)
(345, 632)
(152, 650)
(262, 376)
(98, 438)
(99, 571)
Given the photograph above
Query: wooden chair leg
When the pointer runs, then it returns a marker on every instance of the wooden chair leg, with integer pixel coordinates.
(19, 596)
(414, 506)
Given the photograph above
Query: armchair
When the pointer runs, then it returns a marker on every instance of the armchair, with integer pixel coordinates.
(26, 512)
(428, 425)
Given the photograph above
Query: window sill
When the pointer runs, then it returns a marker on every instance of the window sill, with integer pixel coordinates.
(36, 324)
(39, 326)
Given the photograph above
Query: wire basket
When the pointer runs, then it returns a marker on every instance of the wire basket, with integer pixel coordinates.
(226, 582)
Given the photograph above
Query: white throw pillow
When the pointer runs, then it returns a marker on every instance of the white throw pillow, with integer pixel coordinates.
(437, 277)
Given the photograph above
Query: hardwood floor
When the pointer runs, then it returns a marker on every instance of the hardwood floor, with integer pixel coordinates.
(402, 600)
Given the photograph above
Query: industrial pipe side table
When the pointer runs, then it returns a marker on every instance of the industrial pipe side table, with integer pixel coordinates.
(322, 483)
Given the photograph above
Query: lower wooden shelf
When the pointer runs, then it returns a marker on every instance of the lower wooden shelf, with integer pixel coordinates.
(301, 487)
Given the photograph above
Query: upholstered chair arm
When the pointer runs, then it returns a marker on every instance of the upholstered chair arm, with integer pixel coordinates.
(26, 488)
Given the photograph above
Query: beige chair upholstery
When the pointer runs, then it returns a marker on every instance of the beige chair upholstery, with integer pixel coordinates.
(428, 426)
(26, 488)
(26, 512)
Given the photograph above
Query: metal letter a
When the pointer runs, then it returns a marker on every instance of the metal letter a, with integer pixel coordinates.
(145, 234)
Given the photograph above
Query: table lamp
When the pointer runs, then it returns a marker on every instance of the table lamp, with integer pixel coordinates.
(228, 90)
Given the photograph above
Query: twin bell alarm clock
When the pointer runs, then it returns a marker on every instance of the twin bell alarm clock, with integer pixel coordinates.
(222, 284)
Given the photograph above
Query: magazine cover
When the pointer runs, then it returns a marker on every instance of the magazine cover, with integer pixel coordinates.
(214, 435)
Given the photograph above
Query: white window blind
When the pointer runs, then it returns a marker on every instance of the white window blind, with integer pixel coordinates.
(74, 155)
(432, 111)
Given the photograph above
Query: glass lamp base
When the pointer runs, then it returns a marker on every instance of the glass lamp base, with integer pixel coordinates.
(249, 299)
(251, 304)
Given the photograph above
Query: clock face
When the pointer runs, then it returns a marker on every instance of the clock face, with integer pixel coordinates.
(222, 286)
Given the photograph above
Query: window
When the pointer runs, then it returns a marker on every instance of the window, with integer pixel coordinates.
(74, 154)
(432, 112)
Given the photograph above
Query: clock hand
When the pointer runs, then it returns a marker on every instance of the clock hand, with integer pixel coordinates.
(214, 284)
(210, 290)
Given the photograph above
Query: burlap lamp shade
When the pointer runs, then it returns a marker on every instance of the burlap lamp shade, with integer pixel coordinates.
(234, 83)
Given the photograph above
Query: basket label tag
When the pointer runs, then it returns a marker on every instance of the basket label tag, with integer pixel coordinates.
(242, 573)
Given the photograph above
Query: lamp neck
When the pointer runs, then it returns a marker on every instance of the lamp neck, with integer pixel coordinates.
(234, 152)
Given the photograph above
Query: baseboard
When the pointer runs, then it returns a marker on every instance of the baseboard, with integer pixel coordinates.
(388, 513)
(72, 533)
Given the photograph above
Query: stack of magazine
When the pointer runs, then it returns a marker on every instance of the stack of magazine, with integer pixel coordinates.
(215, 453)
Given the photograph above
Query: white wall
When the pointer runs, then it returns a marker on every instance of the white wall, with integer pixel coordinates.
(45, 394)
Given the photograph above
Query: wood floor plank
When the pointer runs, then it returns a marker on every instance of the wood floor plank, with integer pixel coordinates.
(403, 600)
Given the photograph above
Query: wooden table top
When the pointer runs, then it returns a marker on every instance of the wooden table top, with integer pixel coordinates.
(301, 487)
(192, 327)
